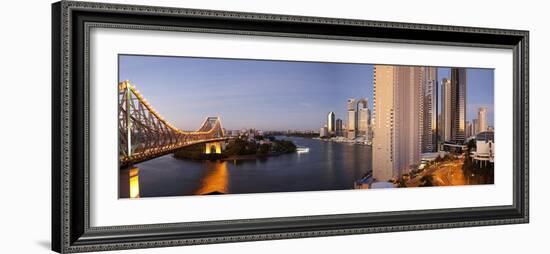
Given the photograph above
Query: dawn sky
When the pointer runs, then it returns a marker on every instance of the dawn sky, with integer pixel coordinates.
(266, 95)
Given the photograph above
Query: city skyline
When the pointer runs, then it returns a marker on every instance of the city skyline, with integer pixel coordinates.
(381, 124)
(255, 93)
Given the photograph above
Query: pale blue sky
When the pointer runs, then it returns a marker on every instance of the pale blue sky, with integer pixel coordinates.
(479, 91)
(267, 95)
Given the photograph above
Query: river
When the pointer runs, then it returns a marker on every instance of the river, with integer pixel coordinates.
(327, 166)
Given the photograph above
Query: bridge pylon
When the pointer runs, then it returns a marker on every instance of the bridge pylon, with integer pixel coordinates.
(213, 147)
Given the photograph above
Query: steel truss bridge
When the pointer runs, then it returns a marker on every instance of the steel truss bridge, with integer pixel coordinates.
(144, 134)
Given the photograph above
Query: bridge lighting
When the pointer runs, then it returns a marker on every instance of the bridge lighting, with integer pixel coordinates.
(134, 183)
(209, 131)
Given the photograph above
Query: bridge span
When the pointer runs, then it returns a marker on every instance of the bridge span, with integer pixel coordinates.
(144, 134)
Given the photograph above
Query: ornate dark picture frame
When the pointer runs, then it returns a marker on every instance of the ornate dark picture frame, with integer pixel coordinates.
(71, 230)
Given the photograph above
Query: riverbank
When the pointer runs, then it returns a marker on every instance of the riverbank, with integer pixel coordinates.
(251, 156)
(240, 149)
(358, 141)
(315, 171)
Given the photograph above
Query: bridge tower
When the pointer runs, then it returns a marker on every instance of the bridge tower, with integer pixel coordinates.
(213, 148)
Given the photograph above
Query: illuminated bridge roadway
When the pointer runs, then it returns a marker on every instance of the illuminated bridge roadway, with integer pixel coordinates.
(144, 134)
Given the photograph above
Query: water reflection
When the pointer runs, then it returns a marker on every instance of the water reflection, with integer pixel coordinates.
(327, 166)
(216, 179)
(129, 183)
(134, 182)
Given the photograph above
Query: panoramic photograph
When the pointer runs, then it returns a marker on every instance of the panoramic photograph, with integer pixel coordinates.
(205, 126)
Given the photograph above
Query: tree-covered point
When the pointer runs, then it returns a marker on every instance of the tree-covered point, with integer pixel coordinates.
(283, 146)
(195, 152)
(246, 147)
(239, 147)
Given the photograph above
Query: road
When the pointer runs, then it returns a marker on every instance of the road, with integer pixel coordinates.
(447, 173)
(450, 174)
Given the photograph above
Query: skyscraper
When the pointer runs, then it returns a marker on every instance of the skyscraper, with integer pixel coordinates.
(383, 123)
(352, 119)
(475, 126)
(331, 123)
(429, 109)
(482, 118)
(363, 115)
(439, 127)
(458, 104)
(446, 110)
(323, 132)
(339, 128)
(397, 122)
(469, 129)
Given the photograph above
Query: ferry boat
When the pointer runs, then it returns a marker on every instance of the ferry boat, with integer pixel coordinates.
(302, 149)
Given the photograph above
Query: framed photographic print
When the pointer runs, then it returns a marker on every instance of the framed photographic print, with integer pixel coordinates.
(182, 126)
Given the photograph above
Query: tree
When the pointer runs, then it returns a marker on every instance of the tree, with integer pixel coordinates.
(264, 149)
(251, 148)
(284, 146)
(427, 181)
(240, 147)
(259, 137)
(402, 183)
(471, 144)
